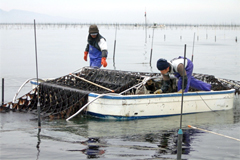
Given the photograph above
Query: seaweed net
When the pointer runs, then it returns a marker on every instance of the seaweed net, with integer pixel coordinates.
(218, 83)
(64, 96)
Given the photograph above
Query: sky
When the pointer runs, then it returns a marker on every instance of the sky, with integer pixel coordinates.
(128, 11)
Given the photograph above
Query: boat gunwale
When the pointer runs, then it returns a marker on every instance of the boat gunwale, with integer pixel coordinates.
(145, 96)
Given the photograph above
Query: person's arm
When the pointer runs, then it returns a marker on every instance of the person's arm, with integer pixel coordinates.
(181, 70)
(103, 46)
(165, 86)
(87, 48)
(166, 83)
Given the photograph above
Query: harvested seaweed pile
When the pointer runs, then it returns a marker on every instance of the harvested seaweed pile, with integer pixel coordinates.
(218, 83)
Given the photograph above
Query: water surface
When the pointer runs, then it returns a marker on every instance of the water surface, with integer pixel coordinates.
(60, 52)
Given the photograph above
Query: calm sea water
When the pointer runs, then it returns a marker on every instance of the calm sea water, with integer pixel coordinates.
(60, 52)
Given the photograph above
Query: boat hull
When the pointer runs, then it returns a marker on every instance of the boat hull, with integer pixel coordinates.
(116, 106)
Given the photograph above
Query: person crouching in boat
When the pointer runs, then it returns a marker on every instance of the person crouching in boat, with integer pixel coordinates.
(176, 67)
(96, 47)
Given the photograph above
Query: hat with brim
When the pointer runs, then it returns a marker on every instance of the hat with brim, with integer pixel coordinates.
(93, 29)
(162, 64)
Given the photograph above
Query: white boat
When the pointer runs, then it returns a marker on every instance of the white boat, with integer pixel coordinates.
(112, 94)
(115, 106)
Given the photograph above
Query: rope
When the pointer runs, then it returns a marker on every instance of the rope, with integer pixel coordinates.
(85, 107)
(207, 105)
(214, 133)
(228, 82)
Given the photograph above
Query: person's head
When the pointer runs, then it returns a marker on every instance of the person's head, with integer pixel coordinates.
(93, 31)
(163, 66)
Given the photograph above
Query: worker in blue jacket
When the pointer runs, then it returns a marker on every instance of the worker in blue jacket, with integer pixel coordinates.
(176, 67)
(96, 48)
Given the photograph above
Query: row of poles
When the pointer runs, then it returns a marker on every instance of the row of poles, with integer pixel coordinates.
(123, 25)
(215, 38)
(150, 62)
(180, 133)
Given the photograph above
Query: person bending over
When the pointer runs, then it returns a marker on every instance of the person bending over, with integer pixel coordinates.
(176, 67)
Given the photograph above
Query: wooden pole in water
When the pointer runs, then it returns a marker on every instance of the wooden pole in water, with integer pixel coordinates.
(2, 91)
(38, 103)
(180, 133)
(145, 26)
(114, 45)
(151, 48)
(193, 45)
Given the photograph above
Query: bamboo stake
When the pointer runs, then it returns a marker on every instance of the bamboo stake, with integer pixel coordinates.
(114, 45)
(145, 26)
(213, 133)
(91, 82)
(151, 49)
(2, 91)
(38, 102)
(180, 133)
(193, 46)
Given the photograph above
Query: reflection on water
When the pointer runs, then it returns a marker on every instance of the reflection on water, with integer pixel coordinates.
(93, 149)
(96, 127)
(160, 133)
(38, 142)
(236, 110)
(107, 139)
